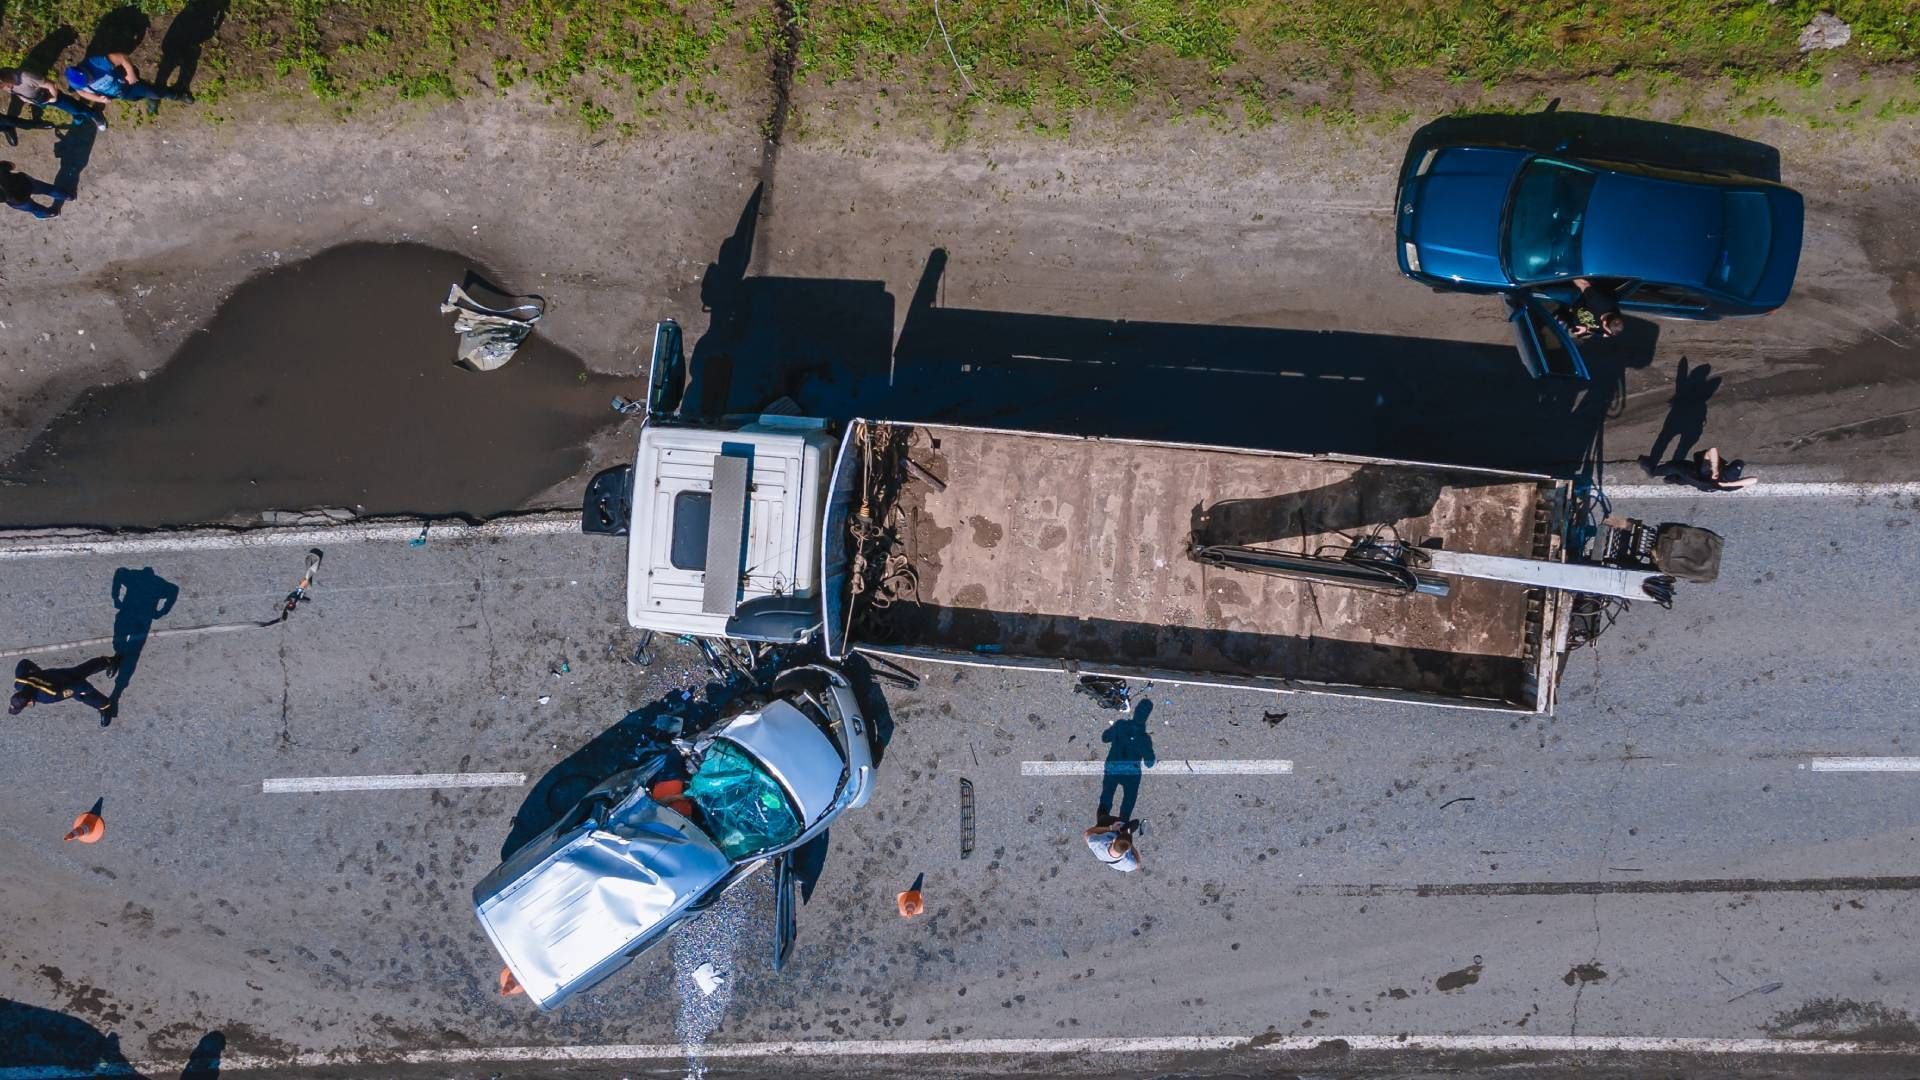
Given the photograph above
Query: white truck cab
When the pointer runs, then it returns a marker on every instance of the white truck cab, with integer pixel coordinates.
(723, 538)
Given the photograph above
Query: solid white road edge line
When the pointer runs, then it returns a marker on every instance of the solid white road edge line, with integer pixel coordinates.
(53, 545)
(297, 785)
(484, 1055)
(1784, 489)
(1865, 764)
(1250, 767)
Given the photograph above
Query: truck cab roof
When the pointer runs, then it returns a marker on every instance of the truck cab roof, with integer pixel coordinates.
(722, 518)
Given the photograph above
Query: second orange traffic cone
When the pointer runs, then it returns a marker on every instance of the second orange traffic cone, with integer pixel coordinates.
(910, 902)
(509, 985)
(89, 827)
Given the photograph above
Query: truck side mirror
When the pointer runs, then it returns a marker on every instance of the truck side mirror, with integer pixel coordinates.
(608, 505)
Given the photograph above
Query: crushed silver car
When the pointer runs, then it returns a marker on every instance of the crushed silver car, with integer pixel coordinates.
(656, 844)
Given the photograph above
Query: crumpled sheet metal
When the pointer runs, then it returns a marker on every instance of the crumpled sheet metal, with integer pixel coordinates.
(490, 336)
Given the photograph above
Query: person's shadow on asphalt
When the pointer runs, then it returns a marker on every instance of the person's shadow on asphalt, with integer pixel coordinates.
(1129, 751)
(139, 598)
(1686, 413)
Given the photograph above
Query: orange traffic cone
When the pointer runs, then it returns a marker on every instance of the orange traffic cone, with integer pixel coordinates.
(509, 985)
(89, 827)
(910, 901)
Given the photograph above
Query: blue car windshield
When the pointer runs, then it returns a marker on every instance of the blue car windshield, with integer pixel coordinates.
(745, 810)
(1543, 221)
(1749, 236)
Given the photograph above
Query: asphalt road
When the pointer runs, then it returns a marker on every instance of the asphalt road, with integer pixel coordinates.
(1659, 859)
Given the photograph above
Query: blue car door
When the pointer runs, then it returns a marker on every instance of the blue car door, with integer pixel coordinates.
(1545, 345)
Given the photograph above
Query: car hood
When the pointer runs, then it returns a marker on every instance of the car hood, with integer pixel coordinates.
(573, 910)
(1654, 230)
(1452, 214)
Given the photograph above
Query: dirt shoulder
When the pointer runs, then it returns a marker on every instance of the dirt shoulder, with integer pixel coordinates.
(909, 275)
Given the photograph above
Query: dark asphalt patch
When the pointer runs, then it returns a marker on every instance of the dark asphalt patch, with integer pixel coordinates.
(327, 382)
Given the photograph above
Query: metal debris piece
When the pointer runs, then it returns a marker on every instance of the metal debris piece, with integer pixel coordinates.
(490, 336)
(1108, 693)
(966, 817)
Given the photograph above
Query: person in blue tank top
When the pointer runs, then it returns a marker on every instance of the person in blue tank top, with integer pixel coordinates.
(104, 79)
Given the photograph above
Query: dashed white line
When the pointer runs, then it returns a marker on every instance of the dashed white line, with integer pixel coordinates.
(298, 785)
(1865, 764)
(886, 1048)
(1248, 767)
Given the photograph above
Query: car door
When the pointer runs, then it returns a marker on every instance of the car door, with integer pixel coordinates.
(1545, 345)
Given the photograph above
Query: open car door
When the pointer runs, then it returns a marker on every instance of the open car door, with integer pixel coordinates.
(1545, 345)
(785, 921)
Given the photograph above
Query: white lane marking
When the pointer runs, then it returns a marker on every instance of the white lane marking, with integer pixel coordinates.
(1179, 1044)
(296, 785)
(51, 544)
(1783, 489)
(1249, 767)
(1865, 764)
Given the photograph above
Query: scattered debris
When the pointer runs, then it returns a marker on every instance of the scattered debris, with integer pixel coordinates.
(544, 698)
(421, 540)
(1108, 693)
(707, 979)
(1273, 719)
(1826, 31)
(1455, 799)
(1583, 974)
(561, 669)
(1455, 980)
(490, 336)
(1767, 989)
(966, 816)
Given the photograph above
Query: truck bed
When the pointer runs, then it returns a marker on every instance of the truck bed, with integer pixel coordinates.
(1073, 549)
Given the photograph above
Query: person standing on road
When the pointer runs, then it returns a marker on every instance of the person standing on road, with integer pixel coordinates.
(109, 78)
(1112, 843)
(18, 190)
(35, 685)
(42, 94)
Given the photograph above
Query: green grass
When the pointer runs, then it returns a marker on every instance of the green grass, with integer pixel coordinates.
(1044, 61)
(600, 57)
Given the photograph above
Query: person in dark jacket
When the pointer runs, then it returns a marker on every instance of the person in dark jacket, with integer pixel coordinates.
(35, 685)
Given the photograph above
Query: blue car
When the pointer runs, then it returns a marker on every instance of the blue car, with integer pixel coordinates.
(1681, 245)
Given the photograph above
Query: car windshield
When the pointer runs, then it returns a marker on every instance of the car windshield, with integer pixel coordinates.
(1543, 221)
(743, 808)
(1749, 237)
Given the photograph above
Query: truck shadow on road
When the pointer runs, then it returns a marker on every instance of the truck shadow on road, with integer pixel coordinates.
(42, 1041)
(829, 346)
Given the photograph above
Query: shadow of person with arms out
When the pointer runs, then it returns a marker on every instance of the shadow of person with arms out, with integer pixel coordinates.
(1129, 752)
(139, 597)
(1686, 414)
(180, 47)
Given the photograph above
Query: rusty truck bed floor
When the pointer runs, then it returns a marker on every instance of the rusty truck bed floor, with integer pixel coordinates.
(1053, 547)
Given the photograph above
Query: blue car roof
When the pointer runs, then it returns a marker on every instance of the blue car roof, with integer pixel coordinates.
(1657, 230)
